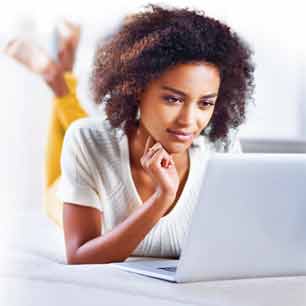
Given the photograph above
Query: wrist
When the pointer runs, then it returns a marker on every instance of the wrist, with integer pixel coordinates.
(165, 195)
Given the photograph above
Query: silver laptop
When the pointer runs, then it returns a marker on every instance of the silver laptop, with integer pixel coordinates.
(273, 145)
(250, 221)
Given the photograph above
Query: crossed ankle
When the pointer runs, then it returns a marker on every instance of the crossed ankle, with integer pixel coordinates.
(54, 77)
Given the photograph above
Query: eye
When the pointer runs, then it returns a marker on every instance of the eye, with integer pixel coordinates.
(171, 99)
(206, 104)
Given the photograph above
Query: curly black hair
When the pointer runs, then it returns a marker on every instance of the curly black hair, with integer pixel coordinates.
(158, 38)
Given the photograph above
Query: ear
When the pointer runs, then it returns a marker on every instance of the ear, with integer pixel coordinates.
(138, 98)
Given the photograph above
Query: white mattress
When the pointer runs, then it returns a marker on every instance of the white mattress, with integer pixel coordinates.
(33, 272)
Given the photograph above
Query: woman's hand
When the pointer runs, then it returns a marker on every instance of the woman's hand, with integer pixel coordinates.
(161, 168)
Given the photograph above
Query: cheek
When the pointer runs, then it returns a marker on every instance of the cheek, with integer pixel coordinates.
(155, 116)
(206, 117)
(149, 113)
(162, 114)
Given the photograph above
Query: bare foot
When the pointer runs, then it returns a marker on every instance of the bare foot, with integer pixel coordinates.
(29, 55)
(69, 37)
(37, 61)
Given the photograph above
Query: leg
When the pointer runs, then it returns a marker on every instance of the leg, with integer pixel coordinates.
(65, 110)
(65, 107)
(52, 206)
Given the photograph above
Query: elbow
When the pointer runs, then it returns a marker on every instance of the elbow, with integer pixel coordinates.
(74, 259)
(71, 262)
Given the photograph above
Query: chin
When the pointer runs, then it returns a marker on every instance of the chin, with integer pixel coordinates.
(176, 147)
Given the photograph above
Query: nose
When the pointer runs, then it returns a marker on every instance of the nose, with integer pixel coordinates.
(187, 115)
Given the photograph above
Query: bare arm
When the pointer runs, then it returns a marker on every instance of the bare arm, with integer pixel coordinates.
(82, 229)
(82, 225)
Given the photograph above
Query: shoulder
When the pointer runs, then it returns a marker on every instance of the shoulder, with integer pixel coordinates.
(92, 139)
(92, 130)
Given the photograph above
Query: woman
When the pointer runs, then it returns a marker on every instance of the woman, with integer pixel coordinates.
(175, 85)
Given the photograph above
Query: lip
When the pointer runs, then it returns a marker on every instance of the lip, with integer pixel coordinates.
(180, 132)
(180, 135)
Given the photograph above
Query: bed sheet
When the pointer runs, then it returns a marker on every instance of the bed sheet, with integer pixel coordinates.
(33, 272)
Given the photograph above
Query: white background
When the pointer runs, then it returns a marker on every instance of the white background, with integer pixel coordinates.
(273, 28)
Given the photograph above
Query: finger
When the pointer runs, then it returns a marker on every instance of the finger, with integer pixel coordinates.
(147, 144)
(160, 158)
(168, 163)
(156, 146)
(150, 152)
(144, 159)
(153, 150)
(147, 158)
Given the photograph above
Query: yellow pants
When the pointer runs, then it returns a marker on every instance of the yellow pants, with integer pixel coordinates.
(64, 111)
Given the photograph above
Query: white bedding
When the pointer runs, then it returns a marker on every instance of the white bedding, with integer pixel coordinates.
(33, 272)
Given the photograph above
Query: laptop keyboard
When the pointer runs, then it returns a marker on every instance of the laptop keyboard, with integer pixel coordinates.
(171, 269)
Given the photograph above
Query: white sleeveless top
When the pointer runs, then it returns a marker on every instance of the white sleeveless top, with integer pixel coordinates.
(96, 172)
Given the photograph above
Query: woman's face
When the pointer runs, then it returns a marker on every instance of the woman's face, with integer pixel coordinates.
(183, 100)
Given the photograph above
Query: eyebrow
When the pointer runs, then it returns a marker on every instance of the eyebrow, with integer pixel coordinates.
(184, 94)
